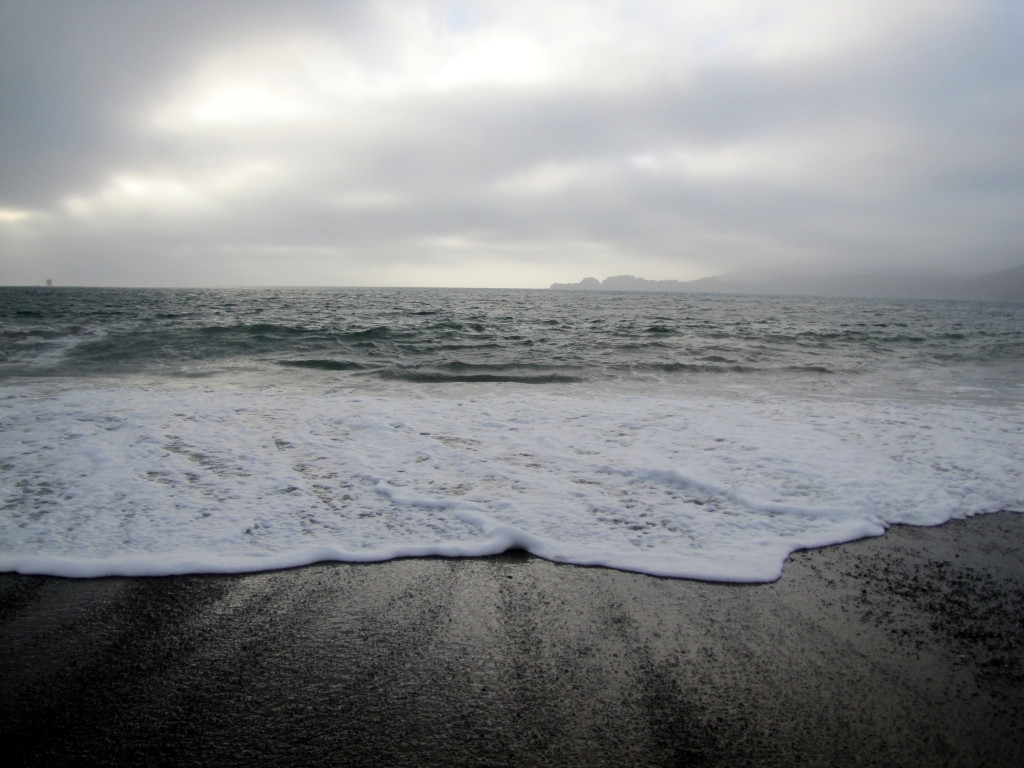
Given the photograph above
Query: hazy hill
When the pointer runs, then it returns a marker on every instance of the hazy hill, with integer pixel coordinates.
(1004, 285)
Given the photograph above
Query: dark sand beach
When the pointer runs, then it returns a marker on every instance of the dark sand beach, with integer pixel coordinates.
(904, 650)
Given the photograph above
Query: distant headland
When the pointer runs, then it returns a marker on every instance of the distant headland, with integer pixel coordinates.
(1004, 285)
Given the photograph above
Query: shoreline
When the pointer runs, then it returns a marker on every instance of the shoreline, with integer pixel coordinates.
(900, 650)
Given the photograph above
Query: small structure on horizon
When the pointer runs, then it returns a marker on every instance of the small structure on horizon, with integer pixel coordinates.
(49, 283)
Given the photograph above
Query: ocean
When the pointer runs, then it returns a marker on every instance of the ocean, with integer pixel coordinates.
(168, 431)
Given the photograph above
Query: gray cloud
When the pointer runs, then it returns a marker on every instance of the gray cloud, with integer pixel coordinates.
(168, 142)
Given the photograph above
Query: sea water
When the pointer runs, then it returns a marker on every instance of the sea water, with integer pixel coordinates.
(182, 431)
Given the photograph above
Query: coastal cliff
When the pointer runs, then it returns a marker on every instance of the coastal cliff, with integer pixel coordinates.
(1005, 285)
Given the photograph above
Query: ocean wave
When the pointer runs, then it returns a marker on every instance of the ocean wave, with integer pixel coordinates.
(323, 365)
(378, 332)
(809, 369)
(253, 329)
(420, 376)
(678, 367)
(131, 480)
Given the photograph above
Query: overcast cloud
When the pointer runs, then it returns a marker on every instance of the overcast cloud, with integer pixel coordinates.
(494, 143)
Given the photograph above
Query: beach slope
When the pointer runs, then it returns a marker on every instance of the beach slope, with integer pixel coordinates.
(903, 650)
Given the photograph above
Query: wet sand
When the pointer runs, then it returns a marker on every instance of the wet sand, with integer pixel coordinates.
(906, 650)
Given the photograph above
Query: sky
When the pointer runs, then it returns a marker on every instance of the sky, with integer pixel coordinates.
(506, 143)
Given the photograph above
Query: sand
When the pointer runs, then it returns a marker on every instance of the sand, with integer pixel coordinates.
(904, 650)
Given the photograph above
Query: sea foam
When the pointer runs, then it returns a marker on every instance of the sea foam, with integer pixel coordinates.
(143, 480)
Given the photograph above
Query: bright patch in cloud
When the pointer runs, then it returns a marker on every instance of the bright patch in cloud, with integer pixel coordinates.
(498, 60)
(14, 216)
(169, 194)
(258, 85)
(710, 164)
